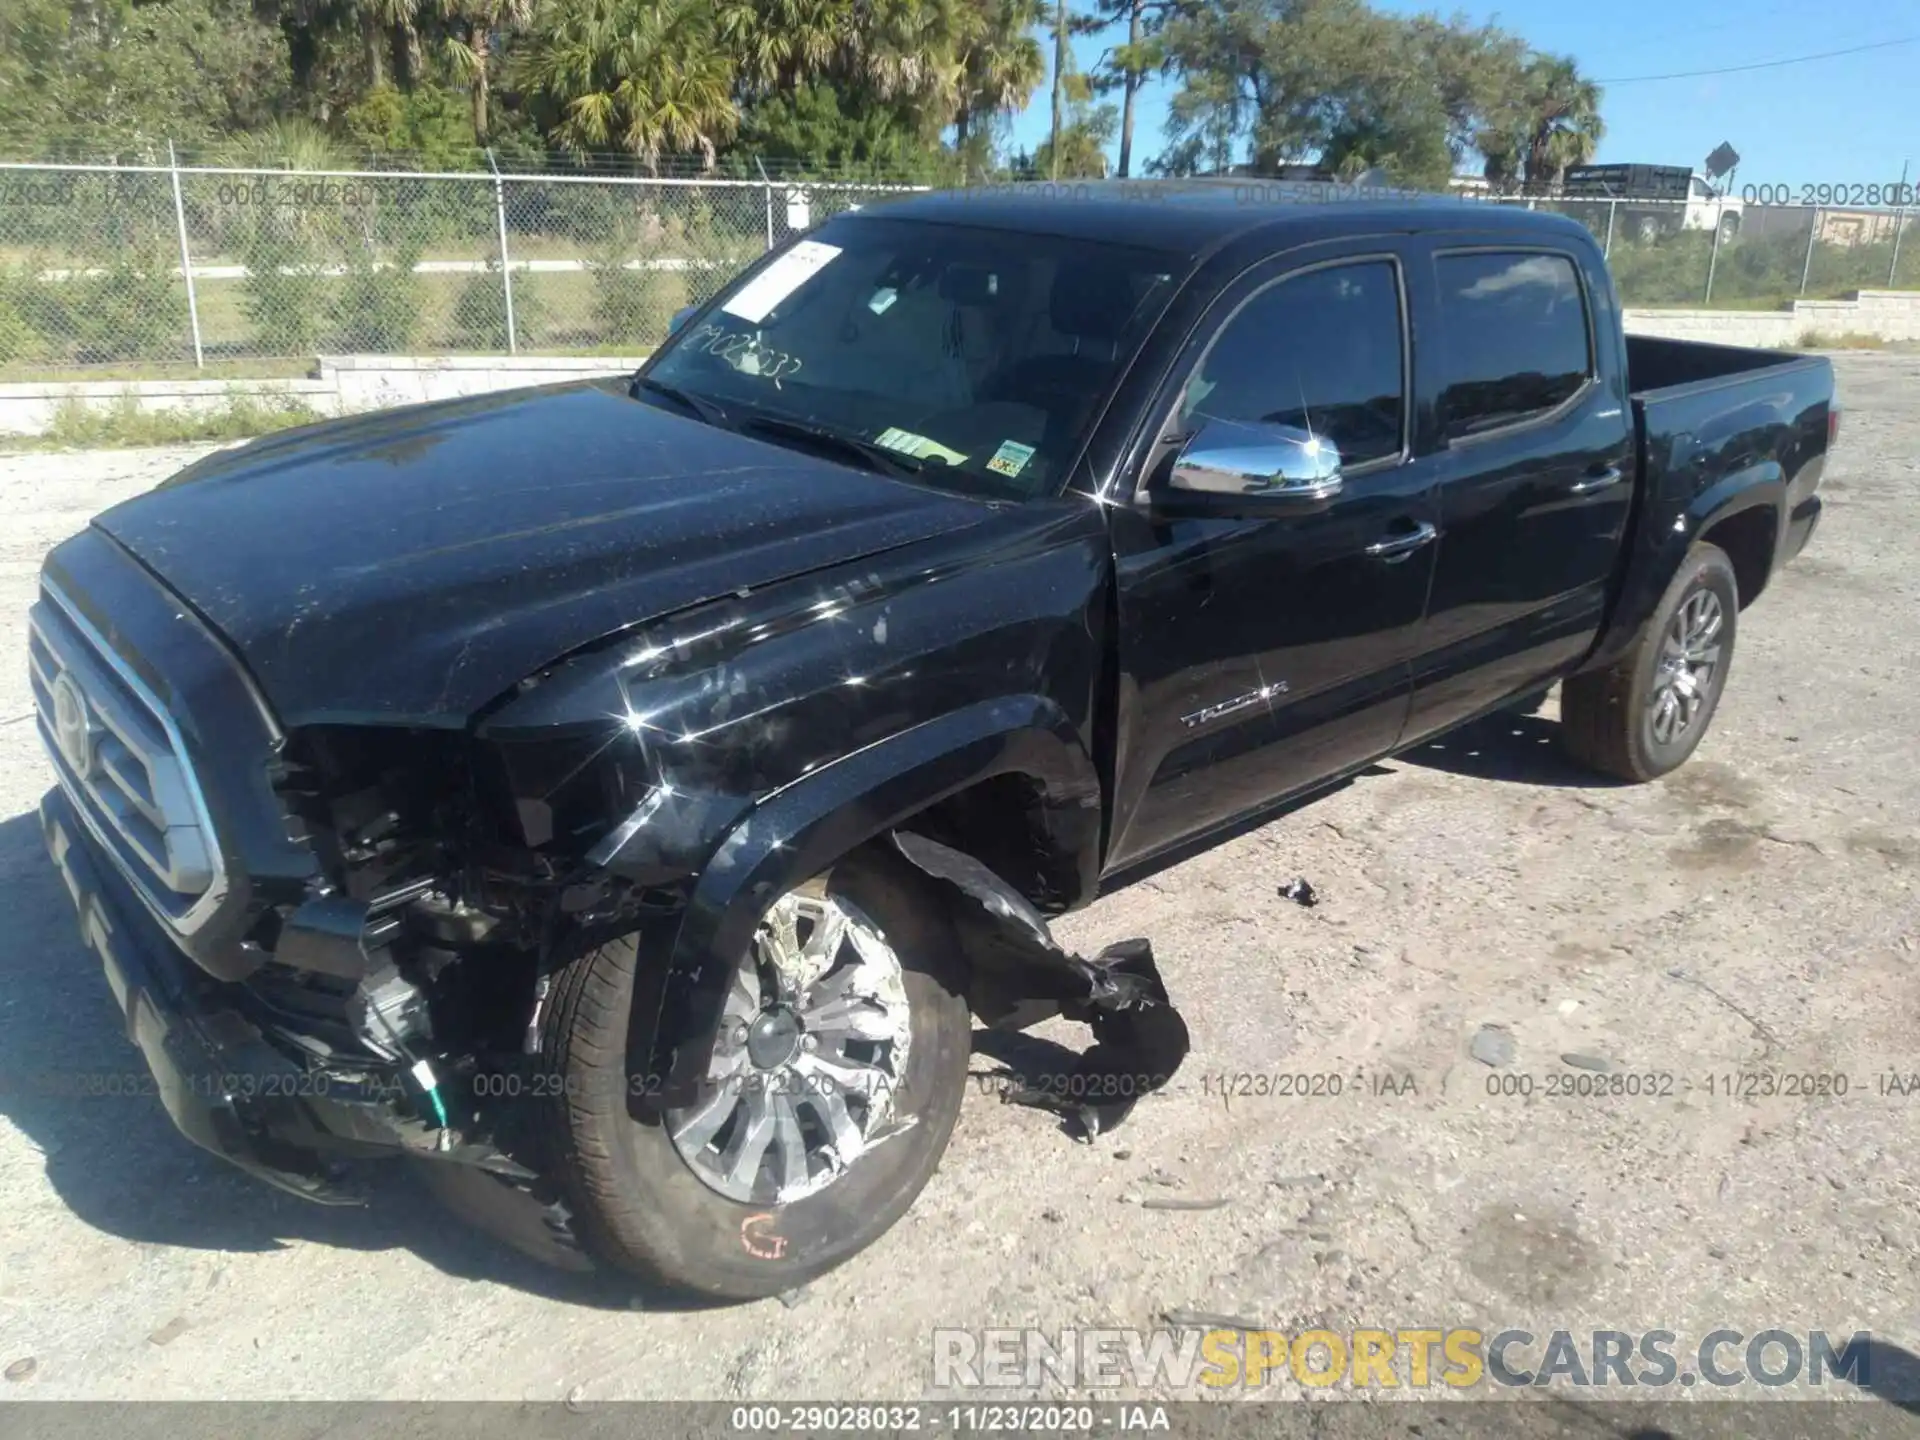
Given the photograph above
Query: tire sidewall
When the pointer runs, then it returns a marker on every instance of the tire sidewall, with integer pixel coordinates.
(1707, 567)
(702, 1240)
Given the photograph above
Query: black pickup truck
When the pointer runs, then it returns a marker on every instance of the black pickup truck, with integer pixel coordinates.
(610, 795)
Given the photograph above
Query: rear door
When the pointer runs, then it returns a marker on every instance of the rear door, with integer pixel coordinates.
(1535, 446)
(1263, 653)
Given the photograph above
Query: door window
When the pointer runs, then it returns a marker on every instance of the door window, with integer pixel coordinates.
(1320, 351)
(1515, 332)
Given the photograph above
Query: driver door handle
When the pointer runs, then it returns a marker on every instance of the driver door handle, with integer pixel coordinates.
(1597, 480)
(1396, 548)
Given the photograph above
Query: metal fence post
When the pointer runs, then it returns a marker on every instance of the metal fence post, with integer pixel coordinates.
(506, 261)
(1813, 234)
(1899, 223)
(186, 258)
(1713, 255)
(768, 181)
(1606, 250)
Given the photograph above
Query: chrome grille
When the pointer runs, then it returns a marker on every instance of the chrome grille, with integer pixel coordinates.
(121, 761)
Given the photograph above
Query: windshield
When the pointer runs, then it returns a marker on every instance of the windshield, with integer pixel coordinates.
(973, 359)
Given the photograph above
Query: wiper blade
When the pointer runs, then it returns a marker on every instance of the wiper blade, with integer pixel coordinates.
(864, 452)
(701, 408)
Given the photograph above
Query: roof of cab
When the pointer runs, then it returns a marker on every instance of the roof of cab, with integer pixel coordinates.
(1194, 217)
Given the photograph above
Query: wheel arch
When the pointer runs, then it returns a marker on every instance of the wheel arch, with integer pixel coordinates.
(1745, 507)
(1750, 536)
(958, 771)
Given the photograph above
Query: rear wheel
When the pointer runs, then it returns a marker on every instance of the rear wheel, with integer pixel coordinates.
(1645, 714)
(838, 1069)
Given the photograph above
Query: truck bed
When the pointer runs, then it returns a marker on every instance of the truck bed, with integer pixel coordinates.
(1656, 365)
(1712, 422)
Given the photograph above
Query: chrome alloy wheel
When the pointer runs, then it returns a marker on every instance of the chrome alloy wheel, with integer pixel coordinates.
(813, 1044)
(1689, 657)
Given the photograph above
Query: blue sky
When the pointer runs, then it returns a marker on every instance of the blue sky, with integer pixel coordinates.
(1851, 119)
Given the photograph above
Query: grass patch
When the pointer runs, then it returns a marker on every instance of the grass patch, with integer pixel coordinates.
(79, 426)
(1847, 340)
(264, 369)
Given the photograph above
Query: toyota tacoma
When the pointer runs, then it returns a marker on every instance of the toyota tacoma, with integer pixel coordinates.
(621, 798)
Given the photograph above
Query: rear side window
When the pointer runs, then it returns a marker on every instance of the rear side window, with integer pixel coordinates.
(1318, 351)
(1515, 327)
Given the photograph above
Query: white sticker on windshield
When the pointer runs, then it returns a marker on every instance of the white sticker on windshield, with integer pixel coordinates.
(780, 279)
(918, 446)
(1010, 459)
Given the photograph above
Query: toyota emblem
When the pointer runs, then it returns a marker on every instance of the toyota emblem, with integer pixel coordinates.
(72, 726)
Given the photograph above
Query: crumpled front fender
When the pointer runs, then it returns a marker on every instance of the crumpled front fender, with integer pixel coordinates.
(798, 831)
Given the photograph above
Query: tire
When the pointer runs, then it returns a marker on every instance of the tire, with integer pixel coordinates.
(1609, 718)
(639, 1206)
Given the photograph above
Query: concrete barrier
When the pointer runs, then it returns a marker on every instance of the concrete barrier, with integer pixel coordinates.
(340, 385)
(1889, 315)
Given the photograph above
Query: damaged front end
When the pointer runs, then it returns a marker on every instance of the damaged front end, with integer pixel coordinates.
(373, 975)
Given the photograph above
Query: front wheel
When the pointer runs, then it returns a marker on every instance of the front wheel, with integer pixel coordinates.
(1644, 715)
(838, 1070)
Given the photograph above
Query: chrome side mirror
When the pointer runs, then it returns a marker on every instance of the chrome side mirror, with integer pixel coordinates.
(1258, 461)
(680, 317)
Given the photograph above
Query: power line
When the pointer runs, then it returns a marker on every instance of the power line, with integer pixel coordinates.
(1764, 64)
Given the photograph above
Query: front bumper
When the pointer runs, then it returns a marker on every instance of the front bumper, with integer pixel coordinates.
(225, 1086)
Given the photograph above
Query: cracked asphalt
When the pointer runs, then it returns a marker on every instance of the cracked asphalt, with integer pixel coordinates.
(1700, 947)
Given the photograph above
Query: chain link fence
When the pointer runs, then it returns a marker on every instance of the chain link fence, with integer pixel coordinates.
(1730, 254)
(153, 268)
(157, 269)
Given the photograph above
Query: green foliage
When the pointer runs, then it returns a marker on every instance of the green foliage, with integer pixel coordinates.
(480, 310)
(288, 142)
(809, 128)
(20, 339)
(1084, 138)
(78, 425)
(286, 247)
(430, 125)
(1272, 82)
(376, 309)
(1845, 340)
(632, 301)
(133, 307)
(632, 308)
(285, 298)
(648, 77)
(115, 78)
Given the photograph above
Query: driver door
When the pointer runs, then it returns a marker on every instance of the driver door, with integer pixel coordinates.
(1265, 641)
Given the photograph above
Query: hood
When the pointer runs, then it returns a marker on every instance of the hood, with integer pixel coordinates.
(408, 567)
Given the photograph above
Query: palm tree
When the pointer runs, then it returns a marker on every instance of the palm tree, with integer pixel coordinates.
(649, 77)
(475, 23)
(387, 28)
(1002, 63)
(911, 53)
(780, 44)
(1562, 112)
(1069, 87)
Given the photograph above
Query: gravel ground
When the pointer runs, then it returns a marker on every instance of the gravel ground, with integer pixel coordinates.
(1755, 913)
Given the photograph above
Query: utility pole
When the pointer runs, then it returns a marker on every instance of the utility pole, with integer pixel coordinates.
(1899, 223)
(1060, 57)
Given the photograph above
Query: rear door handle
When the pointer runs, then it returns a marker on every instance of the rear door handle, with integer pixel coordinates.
(1598, 480)
(1396, 548)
